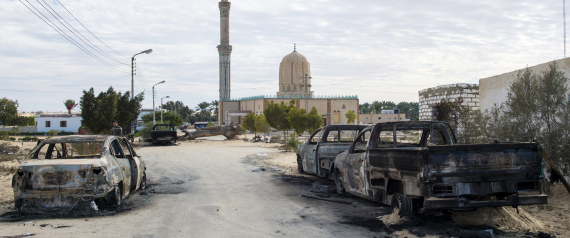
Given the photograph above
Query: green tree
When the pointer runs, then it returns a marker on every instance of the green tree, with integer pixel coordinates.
(276, 116)
(314, 120)
(8, 111)
(365, 108)
(261, 124)
(536, 109)
(169, 117)
(204, 114)
(97, 113)
(455, 113)
(69, 104)
(248, 122)
(255, 123)
(350, 117)
(377, 106)
(214, 107)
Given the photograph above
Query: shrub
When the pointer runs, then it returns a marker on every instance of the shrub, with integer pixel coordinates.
(145, 132)
(4, 135)
(29, 138)
(210, 124)
(293, 143)
(52, 132)
(275, 139)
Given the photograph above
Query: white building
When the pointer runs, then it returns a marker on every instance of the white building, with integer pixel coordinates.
(60, 122)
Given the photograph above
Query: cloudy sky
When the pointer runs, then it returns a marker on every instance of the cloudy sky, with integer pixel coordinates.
(378, 50)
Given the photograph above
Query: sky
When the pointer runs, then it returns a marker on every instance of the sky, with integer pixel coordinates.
(377, 50)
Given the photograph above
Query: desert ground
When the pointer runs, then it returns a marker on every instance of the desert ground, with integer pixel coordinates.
(235, 188)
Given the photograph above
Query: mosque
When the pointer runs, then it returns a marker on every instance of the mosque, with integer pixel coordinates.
(294, 83)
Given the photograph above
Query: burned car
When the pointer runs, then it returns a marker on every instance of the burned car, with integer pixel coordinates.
(62, 173)
(412, 165)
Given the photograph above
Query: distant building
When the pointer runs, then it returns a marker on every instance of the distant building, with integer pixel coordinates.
(431, 96)
(294, 83)
(60, 122)
(385, 116)
(140, 122)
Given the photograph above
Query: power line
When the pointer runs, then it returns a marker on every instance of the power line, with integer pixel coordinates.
(88, 43)
(89, 30)
(56, 28)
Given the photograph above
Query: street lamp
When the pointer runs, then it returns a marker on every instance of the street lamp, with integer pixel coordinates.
(161, 107)
(133, 87)
(154, 108)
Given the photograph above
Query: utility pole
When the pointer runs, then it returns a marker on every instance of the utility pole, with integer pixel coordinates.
(306, 78)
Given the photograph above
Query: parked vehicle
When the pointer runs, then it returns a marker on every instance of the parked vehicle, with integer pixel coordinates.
(163, 134)
(317, 155)
(68, 171)
(200, 125)
(410, 165)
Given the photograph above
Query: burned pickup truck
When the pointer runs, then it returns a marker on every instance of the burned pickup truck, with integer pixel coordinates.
(62, 173)
(317, 155)
(163, 134)
(410, 165)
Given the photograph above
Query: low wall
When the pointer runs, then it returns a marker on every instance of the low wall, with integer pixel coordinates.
(22, 128)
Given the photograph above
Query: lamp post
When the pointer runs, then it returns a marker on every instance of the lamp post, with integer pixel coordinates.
(154, 108)
(161, 107)
(133, 87)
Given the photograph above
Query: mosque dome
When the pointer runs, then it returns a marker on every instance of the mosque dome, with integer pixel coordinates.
(292, 71)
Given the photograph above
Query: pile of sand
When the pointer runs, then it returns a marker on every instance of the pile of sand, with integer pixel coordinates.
(504, 218)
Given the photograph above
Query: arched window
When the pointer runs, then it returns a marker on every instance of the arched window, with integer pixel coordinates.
(343, 106)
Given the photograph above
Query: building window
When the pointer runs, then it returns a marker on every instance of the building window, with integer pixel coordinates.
(48, 124)
(63, 124)
(343, 106)
(379, 118)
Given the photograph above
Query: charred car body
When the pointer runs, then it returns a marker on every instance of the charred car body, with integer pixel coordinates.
(316, 156)
(410, 165)
(63, 172)
(163, 134)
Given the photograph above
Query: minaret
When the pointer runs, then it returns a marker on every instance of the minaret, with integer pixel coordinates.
(225, 50)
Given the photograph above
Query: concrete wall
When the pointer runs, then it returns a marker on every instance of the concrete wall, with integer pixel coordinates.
(494, 89)
(378, 118)
(22, 128)
(431, 96)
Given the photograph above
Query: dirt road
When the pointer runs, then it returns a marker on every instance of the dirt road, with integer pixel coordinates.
(197, 190)
(243, 189)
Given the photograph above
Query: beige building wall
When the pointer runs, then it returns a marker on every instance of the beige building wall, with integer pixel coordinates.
(431, 96)
(332, 110)
(378, 118)
(494, 90)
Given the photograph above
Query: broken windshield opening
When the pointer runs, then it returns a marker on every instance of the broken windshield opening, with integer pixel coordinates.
(69, 150)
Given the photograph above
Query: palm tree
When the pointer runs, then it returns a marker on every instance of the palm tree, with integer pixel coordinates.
(70, 104)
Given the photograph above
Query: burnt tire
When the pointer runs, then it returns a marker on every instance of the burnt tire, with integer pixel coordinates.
(18, 205)
(402, 204)
(115, 197)
(339, 183)
(143, 182)
(299, 164)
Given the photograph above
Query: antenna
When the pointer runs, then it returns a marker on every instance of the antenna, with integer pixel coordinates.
(564, 16)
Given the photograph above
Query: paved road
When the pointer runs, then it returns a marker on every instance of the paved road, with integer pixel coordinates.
(208, 190)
